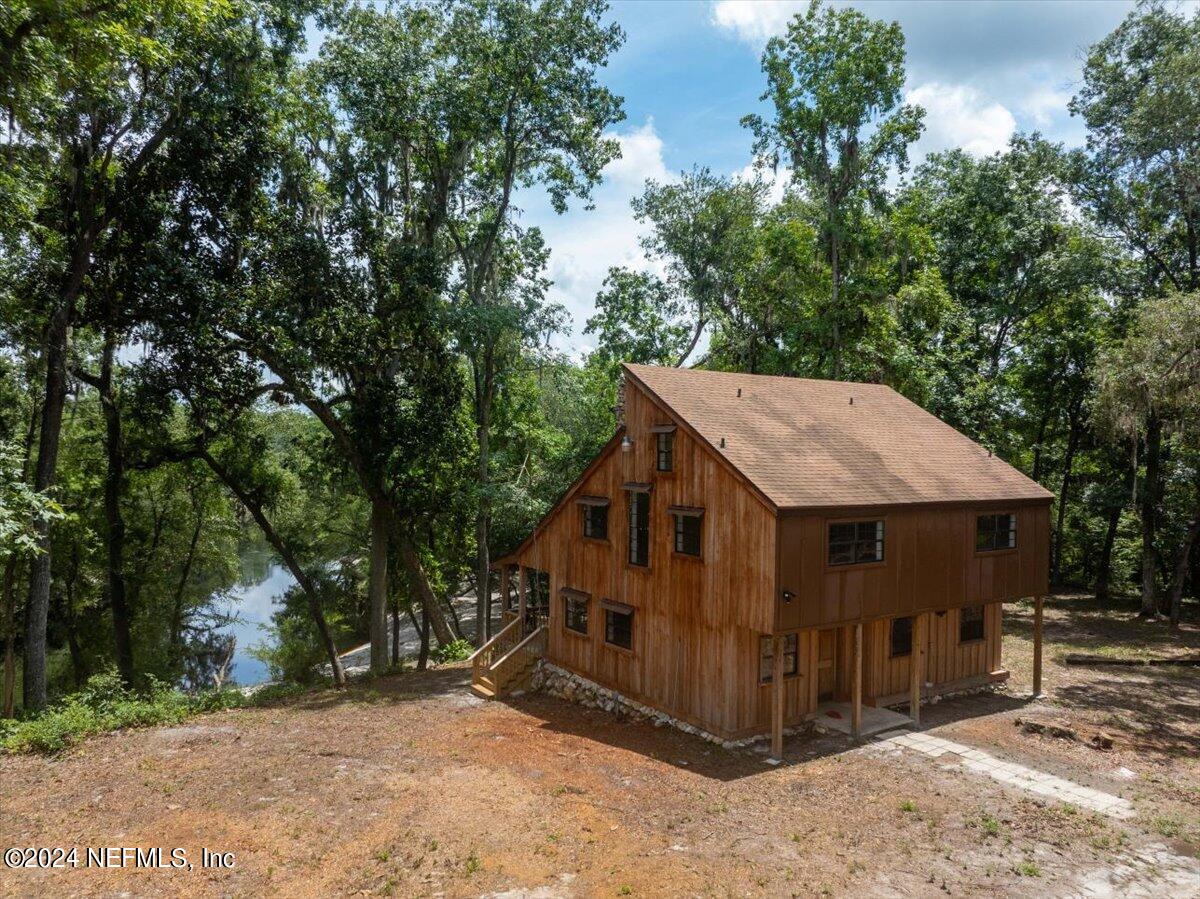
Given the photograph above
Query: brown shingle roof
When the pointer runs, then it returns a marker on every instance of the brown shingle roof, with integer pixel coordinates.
(804, 444)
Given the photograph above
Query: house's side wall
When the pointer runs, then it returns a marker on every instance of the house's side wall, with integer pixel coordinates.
(946, 659)
(697, 621)
(930, 563)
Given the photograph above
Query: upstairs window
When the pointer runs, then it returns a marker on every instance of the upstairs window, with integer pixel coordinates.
(766, 657)
(688, 521)
(639, 527)
(970, 624)
(666, 451)
(595, 517)
(575, 611)
(618, 625)
(902, 630)
(994, 532)
(855, 542)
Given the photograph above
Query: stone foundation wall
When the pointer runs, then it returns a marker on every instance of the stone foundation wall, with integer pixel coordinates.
(558, 682)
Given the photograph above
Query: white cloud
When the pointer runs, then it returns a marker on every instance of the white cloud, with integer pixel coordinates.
(585, 243)
(960, 116)
(777, 181)
(1045, 104)
(641, 158)
(754, 21)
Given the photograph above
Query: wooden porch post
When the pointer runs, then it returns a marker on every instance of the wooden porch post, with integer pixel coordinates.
(856, 684)
(521, 590)
(916, 668)
(777, 698)
(1037, 645)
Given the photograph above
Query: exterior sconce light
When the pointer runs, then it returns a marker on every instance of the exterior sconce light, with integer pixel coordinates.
(788, 595)
(626, 444)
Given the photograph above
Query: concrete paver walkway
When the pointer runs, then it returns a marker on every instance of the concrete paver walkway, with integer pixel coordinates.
(1023, 778)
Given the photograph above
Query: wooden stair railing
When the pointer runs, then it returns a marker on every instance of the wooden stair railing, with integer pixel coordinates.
(508, 670)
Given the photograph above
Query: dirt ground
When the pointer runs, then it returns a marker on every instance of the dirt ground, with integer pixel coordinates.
(410, 786)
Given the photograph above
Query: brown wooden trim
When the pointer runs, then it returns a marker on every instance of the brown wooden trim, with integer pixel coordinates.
(855, 512)
(603, 501)
(688, 511)
(575, 594)
(637, 487)
(614, 606)
(663, 429)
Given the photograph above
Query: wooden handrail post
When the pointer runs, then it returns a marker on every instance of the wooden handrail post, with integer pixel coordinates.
(777, 699)
(1037, 645)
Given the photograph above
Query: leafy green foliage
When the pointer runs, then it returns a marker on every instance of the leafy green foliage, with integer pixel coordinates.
(452, 652)
(105, 704)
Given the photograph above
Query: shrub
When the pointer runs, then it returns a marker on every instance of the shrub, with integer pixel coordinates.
(454, 651)
(105, 704)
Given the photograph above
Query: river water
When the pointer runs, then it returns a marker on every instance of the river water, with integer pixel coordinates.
(252, 600)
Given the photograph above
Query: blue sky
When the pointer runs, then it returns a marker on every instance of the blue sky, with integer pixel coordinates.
(690, 70)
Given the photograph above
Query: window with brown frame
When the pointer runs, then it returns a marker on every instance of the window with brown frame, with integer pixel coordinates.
(665, 455)
(995, 531)
(618, 626)
(970, 624)
(766, 657)
(688, 523)
(575, 612)
(595, 522)
(639, 527)
(855, 542)
(902, 632)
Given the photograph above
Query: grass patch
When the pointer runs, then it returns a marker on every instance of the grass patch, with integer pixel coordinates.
(105, 704)
(908, 806)
(1027, 869)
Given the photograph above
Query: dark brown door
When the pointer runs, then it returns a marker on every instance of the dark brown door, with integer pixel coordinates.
(826, 664)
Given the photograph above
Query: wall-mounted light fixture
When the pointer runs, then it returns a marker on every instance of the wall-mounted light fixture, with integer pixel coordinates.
(788, 595)
(626, 444)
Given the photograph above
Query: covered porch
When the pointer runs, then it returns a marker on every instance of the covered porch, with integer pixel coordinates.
(854, 679)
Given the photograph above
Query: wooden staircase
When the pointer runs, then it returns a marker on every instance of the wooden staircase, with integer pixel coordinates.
(506, 662)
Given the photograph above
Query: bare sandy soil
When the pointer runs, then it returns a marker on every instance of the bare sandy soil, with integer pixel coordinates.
(409, 786)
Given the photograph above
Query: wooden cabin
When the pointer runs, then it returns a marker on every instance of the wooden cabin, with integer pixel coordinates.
(746, 548)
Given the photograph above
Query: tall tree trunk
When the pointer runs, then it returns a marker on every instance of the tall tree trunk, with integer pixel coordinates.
(835, 299)
(10, 592)
(1181, 565)
(1150, 493)
(10, 635)
(78, 664)
(176, 646)
(485, 391)
(307, 584)
(420, 585)
(377, 586)
(483, 416)
(1068, 463)
(37, 612)
(395, 631)
(1104, 565)
(423, 655)
(114, 521)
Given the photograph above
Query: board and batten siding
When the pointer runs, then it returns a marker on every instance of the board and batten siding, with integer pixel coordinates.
(697, 621)
(929, 563)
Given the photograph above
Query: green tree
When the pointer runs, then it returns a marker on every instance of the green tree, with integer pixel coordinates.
(1139, 179)
(835, 83)
(1152, 378)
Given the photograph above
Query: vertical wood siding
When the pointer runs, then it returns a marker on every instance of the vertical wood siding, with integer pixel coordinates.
(697, 621)
(929, 563)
